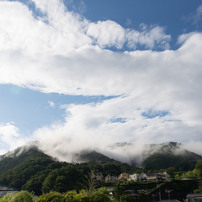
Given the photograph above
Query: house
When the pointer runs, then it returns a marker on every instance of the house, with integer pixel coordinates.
(110, 178)
(158, 177)
(164, 176)
(123, 176)
(142, 176)
(98, 176)
(152, 177)
(134, 177)
(194, 198)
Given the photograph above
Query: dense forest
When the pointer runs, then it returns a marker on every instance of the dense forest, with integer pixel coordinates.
(38, 173)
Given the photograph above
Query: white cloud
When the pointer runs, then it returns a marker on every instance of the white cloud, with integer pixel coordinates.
(65, 31)
(148, 37)
(107, 34)
(10, 137)
(198, 15)
(194, 146)
(91, 127)
(65, 56)
(51, 104)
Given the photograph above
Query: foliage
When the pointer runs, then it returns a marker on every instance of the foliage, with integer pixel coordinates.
(35, 182)
(64, 179)
(70, 196)
(165, 160)
(52, 197)
(199, 169)
(37, 172)
(98, 195)
(22, 196)
(25, 167)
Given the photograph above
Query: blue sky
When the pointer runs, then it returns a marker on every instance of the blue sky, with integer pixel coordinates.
(81, 74)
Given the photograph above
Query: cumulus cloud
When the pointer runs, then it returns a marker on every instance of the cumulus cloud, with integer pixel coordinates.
(109, 34)
(149, 37)
(51, 104)
(60, 32)
(98, 127)
(10, 137)
(64, 53)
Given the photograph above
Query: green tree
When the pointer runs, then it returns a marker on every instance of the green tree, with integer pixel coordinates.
(22, 196)
(100, 195)
(64, 179)
(52, 197)
(199, 169)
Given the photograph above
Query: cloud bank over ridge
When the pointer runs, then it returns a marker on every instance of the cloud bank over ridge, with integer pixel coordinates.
(61, 52)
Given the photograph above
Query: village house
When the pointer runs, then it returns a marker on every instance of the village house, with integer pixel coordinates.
(98, 177)
(123, 177)
(194, 198)
(110, 178)
(165, 177)
(134, 177)
(154, 177)
(142, 176)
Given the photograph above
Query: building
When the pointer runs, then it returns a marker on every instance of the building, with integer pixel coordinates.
(134, 177)
(98, 177)
(111, 178)
(194, 198)
(123, 176)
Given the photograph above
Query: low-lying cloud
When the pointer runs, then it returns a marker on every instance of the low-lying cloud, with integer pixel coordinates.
(63, 53)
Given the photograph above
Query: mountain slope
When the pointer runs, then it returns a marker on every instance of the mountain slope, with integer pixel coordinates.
(20, 155)
(170, 155)
(93, 156)
(18, 166)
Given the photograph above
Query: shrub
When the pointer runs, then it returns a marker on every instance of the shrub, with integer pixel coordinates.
(52, 197)
(22, 196)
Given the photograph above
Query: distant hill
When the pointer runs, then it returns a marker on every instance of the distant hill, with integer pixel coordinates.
(29, 168)
(159, 156)
(18, 166)
(170, 154)
(21, 155)
(93, 156)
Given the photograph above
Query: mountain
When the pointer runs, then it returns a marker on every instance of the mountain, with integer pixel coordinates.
(18, 166)
(31, 169)
(170, 154)
(92, 156)
(157, 156)
(22, 155)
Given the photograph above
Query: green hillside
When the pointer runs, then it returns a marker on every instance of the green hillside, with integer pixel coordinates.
(171, 155)
(30, 169)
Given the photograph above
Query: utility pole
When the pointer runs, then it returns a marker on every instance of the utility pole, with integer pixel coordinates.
(159, 194)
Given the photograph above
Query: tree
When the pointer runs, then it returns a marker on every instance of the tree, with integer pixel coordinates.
(52, 196)
(199, 169)
(18, 197)
(64, 179)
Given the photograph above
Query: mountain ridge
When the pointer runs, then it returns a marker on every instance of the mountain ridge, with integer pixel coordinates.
(152, 155)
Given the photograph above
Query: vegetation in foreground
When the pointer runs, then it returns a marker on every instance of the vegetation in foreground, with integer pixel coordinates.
(98, 195)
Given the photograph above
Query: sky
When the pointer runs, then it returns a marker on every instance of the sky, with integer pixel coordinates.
(80, 74)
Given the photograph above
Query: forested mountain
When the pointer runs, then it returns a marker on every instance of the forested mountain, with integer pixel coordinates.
(171, 155)
(31, 169)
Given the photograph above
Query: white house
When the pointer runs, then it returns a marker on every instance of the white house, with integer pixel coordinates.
(134, 177)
